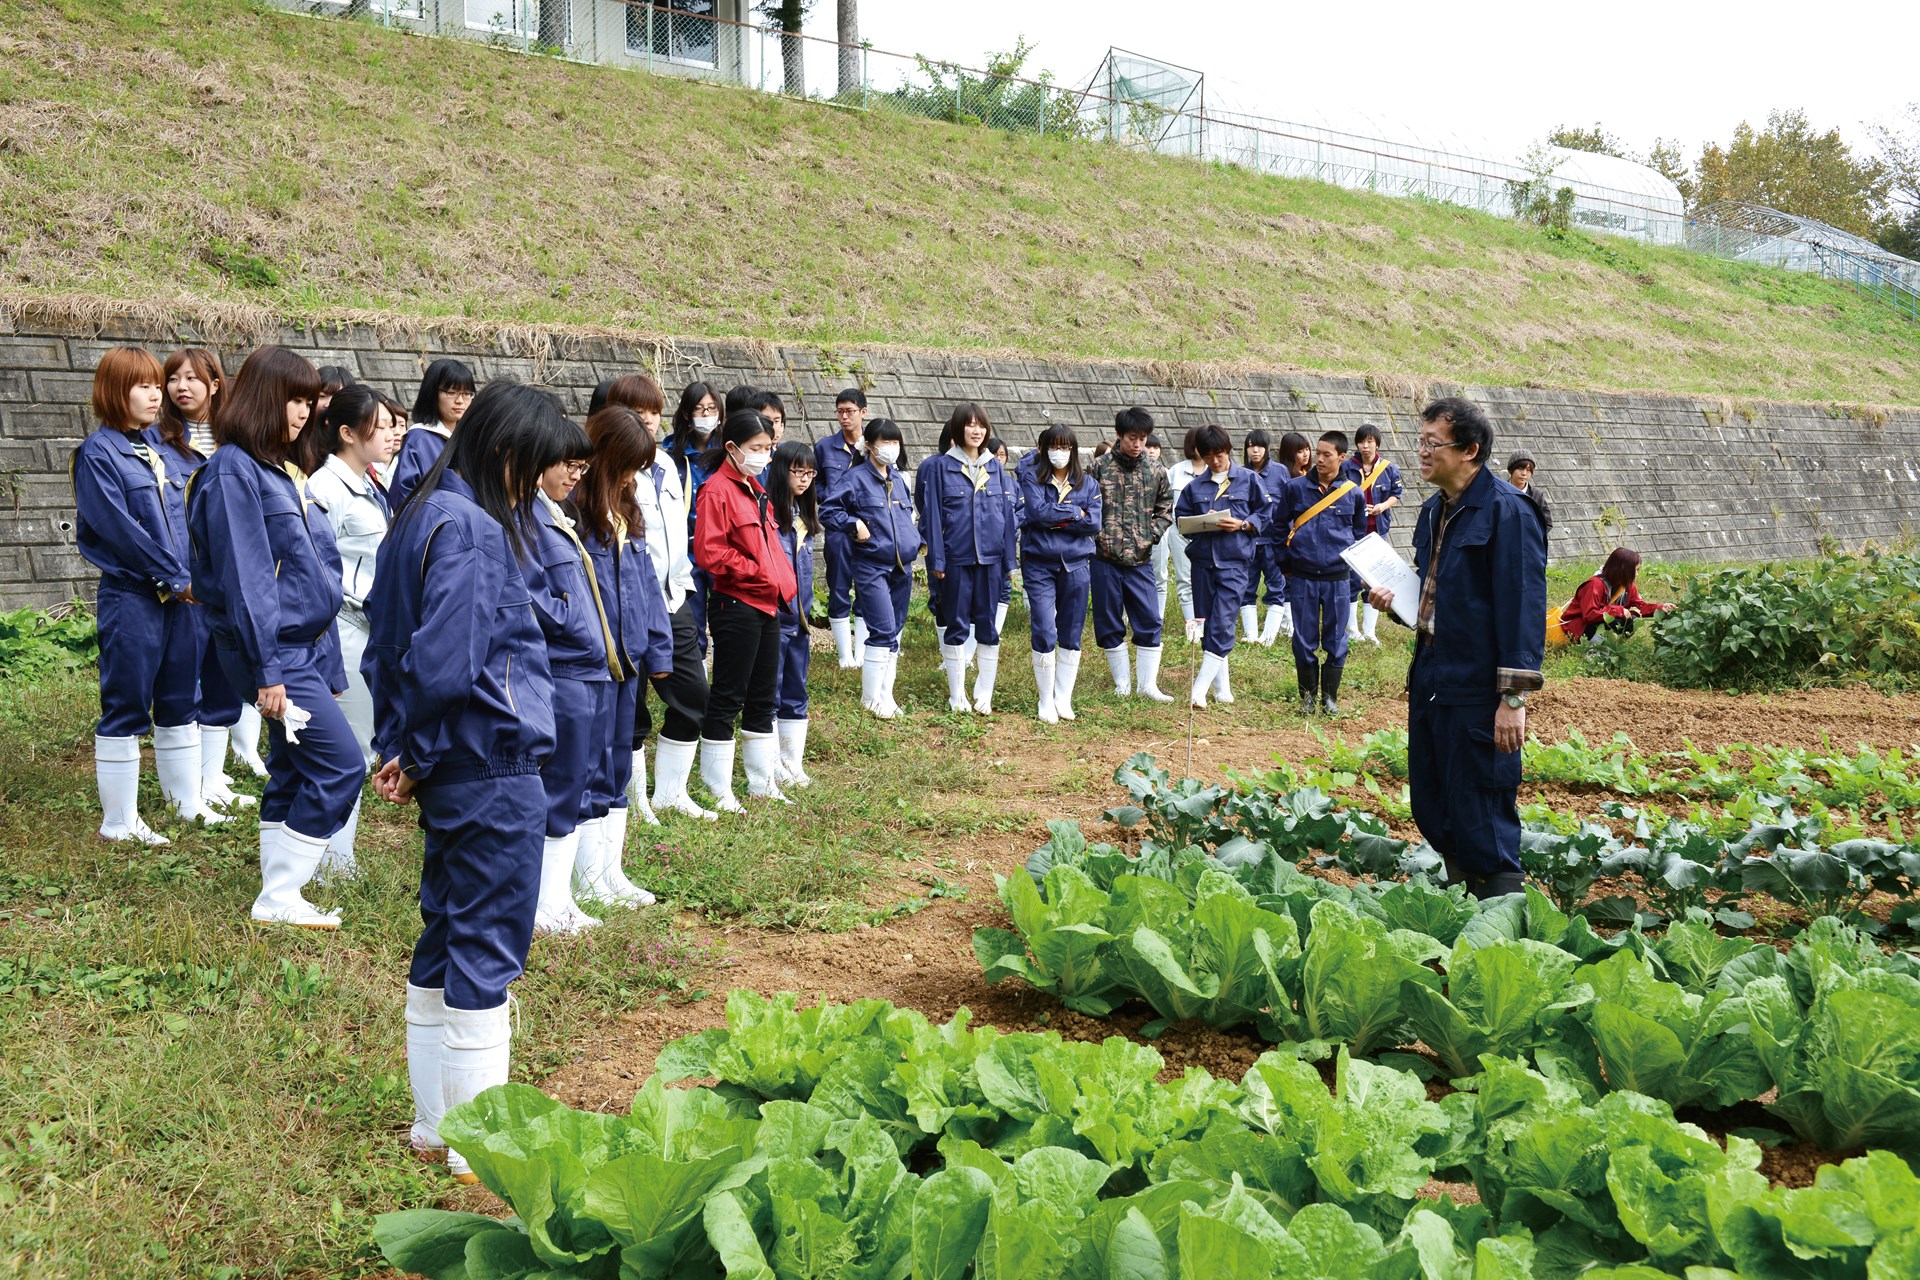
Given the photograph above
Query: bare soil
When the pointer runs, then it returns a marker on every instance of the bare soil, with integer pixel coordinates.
(926, 962)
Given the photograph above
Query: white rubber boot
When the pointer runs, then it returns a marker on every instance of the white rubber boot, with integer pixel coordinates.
(1000, 618)
(1223, 691)
(1066, 670)
(476, 1053)
(1353, 621)
(1150, 675)
(637, 791)
(1044, 677)
(1249, 623)
(426, 1012)
(793, 751)
(589, 860)
(953, 660)
(983, 682)
(245, 740)
(1369, 620)
(1210, 664)
(859, 638)
(843, 648)
(672, 766)
(716, 770)
(216, 788)
(116, 769)
(891, 707)
(176, 758)
(614, 885)
(874, 678)
(760, 757)
(287, 863)
(1286, 622)
(556, 911)
(338, 863)
(969, 648)
(1275, 613)
(1118, 664)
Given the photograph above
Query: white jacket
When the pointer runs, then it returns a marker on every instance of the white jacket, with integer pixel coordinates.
(664, 504)
(357, 510)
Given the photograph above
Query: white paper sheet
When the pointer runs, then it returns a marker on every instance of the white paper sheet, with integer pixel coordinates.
(1379, 565)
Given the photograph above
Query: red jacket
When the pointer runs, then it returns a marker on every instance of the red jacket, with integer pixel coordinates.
(736, 541)
(1591, 604)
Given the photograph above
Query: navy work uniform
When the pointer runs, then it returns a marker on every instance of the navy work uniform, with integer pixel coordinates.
(1483, 567)
(218, 704)
(1379, 483)
(1058, 521)
(790, 707)
(833, 457)
(967, 507)
(419, 451)
(1315, 523)
(1223, 564)
(463, 700)
(266, 568)
(882, 570)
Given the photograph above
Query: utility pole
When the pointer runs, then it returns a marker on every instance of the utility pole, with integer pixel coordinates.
(849, 50)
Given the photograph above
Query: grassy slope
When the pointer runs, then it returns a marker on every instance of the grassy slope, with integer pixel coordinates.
(144, 139)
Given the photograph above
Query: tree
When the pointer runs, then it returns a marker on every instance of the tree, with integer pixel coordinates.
(1790, 167)
(1596, 140)
(1901, 149)
(790, 14)
(849, 36)
(1666, 159)
(1900, 235)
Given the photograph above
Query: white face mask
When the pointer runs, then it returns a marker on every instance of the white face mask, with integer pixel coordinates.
(887, 452)
(705, 425)
(752, 463)
(1060, 457)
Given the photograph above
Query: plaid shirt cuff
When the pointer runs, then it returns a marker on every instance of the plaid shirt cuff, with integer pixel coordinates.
(1514, 680)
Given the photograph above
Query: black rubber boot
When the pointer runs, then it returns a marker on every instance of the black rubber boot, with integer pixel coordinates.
(1497, 886)
(1330, 687)
(1306, 672)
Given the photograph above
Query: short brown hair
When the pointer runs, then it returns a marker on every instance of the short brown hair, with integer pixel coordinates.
(121, 370)
(638, 392)
(254, 416)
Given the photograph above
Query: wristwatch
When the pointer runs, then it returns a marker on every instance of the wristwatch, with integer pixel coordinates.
(1518, 701)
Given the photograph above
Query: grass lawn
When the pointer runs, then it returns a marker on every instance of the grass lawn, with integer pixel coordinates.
(186, 1095)
(231, 159)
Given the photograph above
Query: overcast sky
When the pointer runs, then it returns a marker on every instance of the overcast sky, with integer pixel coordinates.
(1495, 69)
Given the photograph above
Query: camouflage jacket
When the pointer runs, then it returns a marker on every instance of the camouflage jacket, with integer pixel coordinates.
(1136, 508)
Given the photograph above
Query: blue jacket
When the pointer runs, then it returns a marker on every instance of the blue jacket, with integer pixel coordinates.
(264, 564)
(636, 611)
(887, 509)
(1389, 485)
(833, 457)
(563, 602)
(800, 552)
(1315, 549)
(1053, 529)
(965, 524)
(692, 474)
(128, 526)
(1490, 595)
(419, 450)
(455, 659)
(1242, 496)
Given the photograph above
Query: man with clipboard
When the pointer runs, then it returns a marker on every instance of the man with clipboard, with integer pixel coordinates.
(1481, 554)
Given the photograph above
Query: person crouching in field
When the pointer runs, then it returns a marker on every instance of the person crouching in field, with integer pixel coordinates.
(1222, 559)
(463, 712)
(1608, 599)
(1323, 515)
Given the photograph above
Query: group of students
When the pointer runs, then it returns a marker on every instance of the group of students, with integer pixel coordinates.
(468, 599)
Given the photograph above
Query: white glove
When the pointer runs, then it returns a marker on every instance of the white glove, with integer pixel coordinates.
(1196, 628)
(295, 719)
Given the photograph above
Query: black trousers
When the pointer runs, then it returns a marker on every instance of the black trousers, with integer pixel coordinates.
(746, 668)
(684, 691)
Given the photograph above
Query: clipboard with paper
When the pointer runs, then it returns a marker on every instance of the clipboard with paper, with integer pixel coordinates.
(1379, 565)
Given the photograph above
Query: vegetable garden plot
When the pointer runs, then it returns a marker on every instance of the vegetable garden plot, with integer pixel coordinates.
(862, 1140)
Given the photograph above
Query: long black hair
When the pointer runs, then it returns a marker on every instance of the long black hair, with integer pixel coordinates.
(741, 426)
(510, 435)
(444, 374)
(1058, 435)
(787, 456)
(681, 443)
(1257, 436)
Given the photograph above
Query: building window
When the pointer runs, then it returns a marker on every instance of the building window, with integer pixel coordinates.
(518, 18)
(681, 30)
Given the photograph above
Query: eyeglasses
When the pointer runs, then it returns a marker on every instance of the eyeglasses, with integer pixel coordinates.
(577, 469)
(1428, 446)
